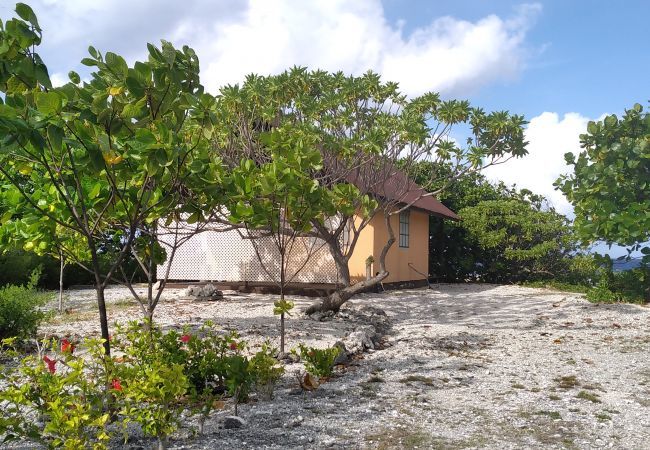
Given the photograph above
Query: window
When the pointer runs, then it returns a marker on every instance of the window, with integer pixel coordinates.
(404, 218)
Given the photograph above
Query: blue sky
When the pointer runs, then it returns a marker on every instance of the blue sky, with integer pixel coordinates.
(559, 63)
(589, 57)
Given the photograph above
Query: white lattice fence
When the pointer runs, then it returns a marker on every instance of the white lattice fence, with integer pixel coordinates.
(225, 256)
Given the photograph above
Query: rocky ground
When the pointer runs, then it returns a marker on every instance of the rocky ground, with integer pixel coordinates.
(462, 366)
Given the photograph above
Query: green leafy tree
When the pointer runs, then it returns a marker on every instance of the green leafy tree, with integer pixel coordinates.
(277, 203)
(505, 234)
(53, 240)
(610, 184)
(105, 158)
(363, 127)
(524, 240)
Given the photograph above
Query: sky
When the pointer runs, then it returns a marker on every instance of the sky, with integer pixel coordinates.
(559, 63)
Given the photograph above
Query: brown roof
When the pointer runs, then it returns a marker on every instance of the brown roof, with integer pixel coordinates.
(399, 188)
(406, 191)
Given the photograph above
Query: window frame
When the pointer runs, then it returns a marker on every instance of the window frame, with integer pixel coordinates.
(404, 228)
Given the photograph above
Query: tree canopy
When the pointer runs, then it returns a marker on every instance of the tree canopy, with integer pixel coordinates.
(105, 158)
(610, 184)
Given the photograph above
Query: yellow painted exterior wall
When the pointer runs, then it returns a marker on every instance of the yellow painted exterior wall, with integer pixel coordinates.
(372, 240)
(398, 258)
(364, 248)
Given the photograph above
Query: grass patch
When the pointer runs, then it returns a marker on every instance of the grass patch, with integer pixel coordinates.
(567, 382)
(417, 379)
(552, 414)
(584, 395)
(558, 286)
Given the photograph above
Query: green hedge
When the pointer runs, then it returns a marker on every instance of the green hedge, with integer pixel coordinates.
(17, 265)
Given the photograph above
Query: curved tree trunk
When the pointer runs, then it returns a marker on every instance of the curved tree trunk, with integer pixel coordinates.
(338, 298)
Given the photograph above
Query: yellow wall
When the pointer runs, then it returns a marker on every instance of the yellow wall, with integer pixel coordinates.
(398, 259)
(363, 249)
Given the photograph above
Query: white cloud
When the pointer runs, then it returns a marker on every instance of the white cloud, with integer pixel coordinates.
(235, 38)
(549, 139)
(448, 55)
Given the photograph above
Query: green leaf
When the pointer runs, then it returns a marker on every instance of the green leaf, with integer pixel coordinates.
(116, 63)
(168, 52)
(48, 103)
(94, 192)
(55, 135)
(74, 77)
(88, 62)
(26, 13)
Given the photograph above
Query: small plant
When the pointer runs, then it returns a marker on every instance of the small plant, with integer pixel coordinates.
(281, 308)
(151, 397)
(266, 371)
(588, 396)
(602, 417)
(552, 414)
(318, 362)
(417, 379)
(239, 378)
(19, 308)
(67, 394)
(567, 382)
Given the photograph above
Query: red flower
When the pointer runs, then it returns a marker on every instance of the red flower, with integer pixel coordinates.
(233, 346)
(185, 338)
(51, 363)
(115, 384)
(67, 346)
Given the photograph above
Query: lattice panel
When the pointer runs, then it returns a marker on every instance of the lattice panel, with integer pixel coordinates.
(225, 256)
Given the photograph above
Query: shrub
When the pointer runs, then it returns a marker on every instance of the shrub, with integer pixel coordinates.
(619, 287)
(318, 362)
(265, 370)
(57, 399)
(150, 396)
(19, 309)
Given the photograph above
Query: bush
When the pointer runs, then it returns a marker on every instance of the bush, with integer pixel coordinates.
(318, 362)
(613, 287)
(19, 309)
(266, 371)
(56, 398)
(59, 398)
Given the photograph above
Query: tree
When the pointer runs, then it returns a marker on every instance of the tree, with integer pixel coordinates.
(277, 203)
(505, 235)
(610, 184)
(106, 158)
(525, 241)
(363, 129)
(53, 240)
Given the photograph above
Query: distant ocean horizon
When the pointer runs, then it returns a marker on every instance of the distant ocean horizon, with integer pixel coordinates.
(623, 265)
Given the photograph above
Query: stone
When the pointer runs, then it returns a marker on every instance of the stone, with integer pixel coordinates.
(233, 422)
(343, 357)
(295, 422)
(288, 357)
(202, 293)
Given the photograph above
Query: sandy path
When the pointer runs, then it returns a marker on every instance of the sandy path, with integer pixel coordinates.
(467, 366)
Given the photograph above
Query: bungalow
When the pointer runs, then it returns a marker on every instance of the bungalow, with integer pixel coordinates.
(225, 256)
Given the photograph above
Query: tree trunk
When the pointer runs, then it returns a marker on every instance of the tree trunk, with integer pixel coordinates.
(103, 318)
(61, 268)
(162, 443)
(338, 298)
(282, 333)
(101, 300)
